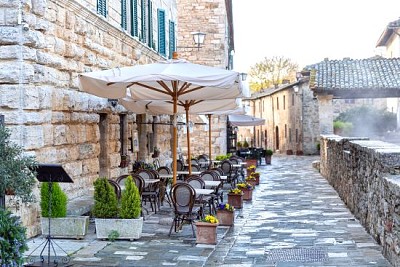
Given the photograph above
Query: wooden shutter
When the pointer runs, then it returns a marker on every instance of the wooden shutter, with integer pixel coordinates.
(172, 42)
(150, 25)
(124, 23)
(143, 24)
(102, 7)
(161, 32)
(134, 18)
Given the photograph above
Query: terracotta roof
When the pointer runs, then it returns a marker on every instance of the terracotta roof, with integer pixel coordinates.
(373, 73)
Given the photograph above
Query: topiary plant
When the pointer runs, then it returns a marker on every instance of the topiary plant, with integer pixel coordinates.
(130, 201)
(105, 200)
(12, 239)
(58, 201)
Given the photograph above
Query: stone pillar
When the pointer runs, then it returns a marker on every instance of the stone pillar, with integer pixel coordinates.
(325, 114)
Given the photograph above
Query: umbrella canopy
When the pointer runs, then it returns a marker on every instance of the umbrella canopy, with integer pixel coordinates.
(245, 120)
(174, 80)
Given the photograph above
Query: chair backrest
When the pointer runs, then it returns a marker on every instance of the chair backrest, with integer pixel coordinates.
(234, 160)
(116, 187)
(179, 165)
(145, 174)
(219, 170)
(196, 167)
(195, 181)
(139, 182)
(208, 175)
(164, 170)
(121, 179)
(155, 174)
(226, 167)
(203, 162)
(182, 197)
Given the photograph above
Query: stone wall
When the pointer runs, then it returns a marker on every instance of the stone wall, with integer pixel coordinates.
(366, 175)
(44, 45)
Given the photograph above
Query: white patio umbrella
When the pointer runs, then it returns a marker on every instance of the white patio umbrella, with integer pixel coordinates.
(187, 107)
(174, 80)
(245, 120)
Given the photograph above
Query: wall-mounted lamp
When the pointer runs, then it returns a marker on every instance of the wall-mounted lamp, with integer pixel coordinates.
(296, 89)
(198, 39)
(113, 102)
(243, 76)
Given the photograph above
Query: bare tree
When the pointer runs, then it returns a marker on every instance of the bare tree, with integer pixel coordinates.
(271, 72)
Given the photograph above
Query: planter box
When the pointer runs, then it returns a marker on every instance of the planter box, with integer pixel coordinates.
(235, 200)
(257, 178)
(247, 193)
(127, 228)
(66, 227)
(206, 233)
(226, 217)
(251, 162)
(268, 159)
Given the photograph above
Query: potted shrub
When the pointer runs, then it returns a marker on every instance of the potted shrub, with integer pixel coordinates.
(206, 230)
(245, 144)
(239, 145)
(226, 214)
(268, 156)
(247, 190)
(235, 198)
(62, 226)
(13, 239)
(123, 223)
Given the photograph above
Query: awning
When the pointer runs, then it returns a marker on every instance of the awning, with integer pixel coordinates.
(245, 120)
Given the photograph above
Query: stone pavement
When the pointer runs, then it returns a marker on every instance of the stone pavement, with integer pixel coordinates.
(295, 219)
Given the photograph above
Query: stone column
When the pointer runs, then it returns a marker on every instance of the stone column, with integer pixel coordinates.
(325, 114)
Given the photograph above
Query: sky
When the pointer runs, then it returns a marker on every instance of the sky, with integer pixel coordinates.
(308, 31)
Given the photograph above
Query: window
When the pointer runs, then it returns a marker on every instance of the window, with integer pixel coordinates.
(297, 135)
(292, 99)
(172, 43)
(150, 42)
(277, 103)
(290, 135)
(284, 102)
(161, 32)
(124, 23)
(134, 18)
(263, 105)
(102, 7)
(123, 134)
(285, 130)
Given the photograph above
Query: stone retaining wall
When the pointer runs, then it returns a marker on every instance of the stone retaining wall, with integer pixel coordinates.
(365, 173)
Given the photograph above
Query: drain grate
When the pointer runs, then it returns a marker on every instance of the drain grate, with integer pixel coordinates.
(296, 255)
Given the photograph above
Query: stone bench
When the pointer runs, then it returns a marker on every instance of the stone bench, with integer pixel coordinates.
(80, 205)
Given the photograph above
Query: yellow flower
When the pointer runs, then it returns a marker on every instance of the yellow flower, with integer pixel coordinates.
(210, 219)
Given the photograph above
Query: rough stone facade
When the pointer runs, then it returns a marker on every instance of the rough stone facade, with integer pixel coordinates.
(292, 120)
(44, 45)
(365, 173)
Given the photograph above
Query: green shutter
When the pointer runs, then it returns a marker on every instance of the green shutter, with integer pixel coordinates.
(134, 18)
(161, 32)
(172, 47)
(150, 25)
(102, 7)
(143, 24)
(124, 23)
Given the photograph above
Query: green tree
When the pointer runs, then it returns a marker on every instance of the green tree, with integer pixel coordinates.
(130, 200)
(105, 200)
(271, 71)
(58, 201)
(17, 171)
(12, 239)
(368, 120)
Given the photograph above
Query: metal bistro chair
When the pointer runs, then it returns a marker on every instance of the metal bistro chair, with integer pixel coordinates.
(151, 192)
(183, 198)
(211, 175)
(196, 182)
(139, 182)
(203, 162)
(116, 187)
(164, 184)
(228, 170)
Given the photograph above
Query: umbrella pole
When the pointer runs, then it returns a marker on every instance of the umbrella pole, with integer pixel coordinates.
(209, 140)
(174, 138)
(188, 140)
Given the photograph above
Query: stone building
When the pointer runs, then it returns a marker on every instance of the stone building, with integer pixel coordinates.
(296, 114)
(45, 44)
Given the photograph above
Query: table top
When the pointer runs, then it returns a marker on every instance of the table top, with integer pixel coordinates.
(223, 177)
(212, 183)
(200, 191)
(165, 175)
(187, 172)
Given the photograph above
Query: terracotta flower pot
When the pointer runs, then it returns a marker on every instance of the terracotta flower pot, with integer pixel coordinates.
(247, 193)
(206, 233)
(226, 217)
(257, 176)
(235, 200)
(253, 182)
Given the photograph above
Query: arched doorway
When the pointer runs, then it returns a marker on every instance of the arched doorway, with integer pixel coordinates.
(276, 137)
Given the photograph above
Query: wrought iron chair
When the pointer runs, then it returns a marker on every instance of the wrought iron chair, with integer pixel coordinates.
(183, 198)
(196, 182)
(150, 193)
(116, 187)
(204, 162)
